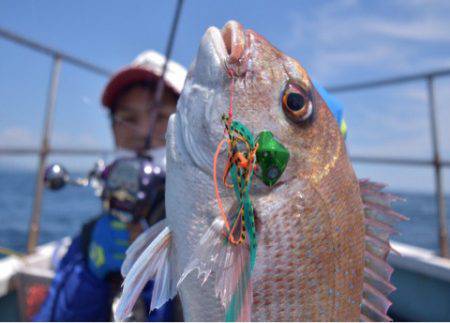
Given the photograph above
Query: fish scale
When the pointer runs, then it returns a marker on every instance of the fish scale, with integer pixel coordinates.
(306, 303)
(323, 235)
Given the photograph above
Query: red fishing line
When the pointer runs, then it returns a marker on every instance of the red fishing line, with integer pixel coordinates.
(230, 109)
(219, 146)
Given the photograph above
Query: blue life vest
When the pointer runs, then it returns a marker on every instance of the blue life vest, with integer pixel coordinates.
(335, 106)
(79, 294)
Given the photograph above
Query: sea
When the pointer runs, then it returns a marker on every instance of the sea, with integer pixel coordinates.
(65, 211)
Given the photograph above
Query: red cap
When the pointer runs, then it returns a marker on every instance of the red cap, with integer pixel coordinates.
(146, 67)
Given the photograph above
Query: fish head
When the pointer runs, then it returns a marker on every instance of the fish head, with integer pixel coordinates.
(270, 92)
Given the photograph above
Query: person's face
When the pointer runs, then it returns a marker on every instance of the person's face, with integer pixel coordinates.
(131, 118)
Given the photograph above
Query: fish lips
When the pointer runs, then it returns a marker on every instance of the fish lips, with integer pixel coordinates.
(227, 48)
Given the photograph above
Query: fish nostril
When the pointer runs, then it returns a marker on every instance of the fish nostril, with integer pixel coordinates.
(234, 40)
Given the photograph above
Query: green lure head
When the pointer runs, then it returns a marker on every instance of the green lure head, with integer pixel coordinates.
(272, 158)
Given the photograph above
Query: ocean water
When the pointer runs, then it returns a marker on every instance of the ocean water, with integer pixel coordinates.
(64, 212)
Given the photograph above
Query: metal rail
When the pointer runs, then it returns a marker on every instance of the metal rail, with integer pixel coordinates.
(45, 149)
(33, 233)
(60, 56)
(6, 34)
(397, 161)
(443, 233)
(55, 151)
(388, 81)
(436, 162)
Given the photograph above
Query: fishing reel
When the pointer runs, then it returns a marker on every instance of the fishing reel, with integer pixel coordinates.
(134, 187)
(131, 188)
(56, 177)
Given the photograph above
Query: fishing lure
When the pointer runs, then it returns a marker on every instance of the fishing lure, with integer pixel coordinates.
(240, 167)
(264, 156)
(271, 158)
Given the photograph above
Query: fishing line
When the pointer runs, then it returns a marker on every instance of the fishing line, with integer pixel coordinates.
(240, 165)
(157, 102)
(216, 186)
(128, 124)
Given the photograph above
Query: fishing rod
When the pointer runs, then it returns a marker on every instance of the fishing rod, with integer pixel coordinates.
(157, 101)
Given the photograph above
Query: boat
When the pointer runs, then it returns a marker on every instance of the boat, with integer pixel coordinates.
(422, 279)
(25, 280)
(421, 276)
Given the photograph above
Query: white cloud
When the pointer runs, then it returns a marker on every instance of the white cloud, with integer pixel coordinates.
(89, 141)
(22, 137)
(333, 64)
(83, 140)
(394, 147)
(343, 42)
(358, 56)
(17, 137)
(423, 30)
(87, 100)
(341, 38)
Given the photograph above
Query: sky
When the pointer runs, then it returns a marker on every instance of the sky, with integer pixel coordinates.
(336, 41)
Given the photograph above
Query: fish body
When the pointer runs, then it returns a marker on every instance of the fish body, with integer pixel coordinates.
(311, 227)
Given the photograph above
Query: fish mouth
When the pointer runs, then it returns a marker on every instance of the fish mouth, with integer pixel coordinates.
(219, 57)
(233, 36)
(230, 46)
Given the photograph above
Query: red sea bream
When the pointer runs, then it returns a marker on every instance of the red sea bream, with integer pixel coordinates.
(321, 234)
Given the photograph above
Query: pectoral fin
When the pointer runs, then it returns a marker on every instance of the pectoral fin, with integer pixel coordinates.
(230, 263)
(152, 264)
(140, 244)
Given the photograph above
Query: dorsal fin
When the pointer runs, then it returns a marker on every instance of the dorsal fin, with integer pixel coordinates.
(379, 221)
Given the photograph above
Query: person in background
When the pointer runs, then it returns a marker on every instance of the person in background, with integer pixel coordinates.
(88, 276)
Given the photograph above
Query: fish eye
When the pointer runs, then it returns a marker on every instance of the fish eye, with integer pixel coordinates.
(296, 103)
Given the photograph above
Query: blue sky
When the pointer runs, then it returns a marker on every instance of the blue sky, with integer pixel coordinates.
(337, 41)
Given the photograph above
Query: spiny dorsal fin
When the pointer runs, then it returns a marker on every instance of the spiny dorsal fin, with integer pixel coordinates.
(379, 221)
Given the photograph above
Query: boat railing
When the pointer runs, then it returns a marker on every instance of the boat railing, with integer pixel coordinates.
(436, 161)
(45, 149)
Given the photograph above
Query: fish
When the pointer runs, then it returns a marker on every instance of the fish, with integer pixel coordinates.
(240, 242)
